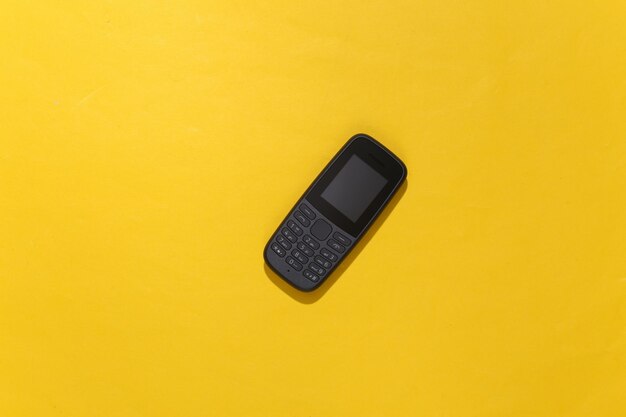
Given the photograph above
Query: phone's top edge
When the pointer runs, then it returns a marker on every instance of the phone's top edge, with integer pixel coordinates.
(383, 147)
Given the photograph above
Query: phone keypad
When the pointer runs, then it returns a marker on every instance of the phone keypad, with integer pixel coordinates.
(314, 252)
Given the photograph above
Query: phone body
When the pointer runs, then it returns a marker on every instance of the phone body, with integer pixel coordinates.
(334, 212)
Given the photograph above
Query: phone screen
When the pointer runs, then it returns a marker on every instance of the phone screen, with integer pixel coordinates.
(354, 188)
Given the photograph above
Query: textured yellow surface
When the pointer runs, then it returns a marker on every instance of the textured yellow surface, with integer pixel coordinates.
(149, 149)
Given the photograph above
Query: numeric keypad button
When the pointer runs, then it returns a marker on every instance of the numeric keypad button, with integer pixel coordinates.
(313, 244)
(317, 269)
(299, 256)
(293, 263)
(282, 241)
(294, 227)
(328, 255)
(305, 249)
(310, 275)
(279, 251)
(323, 262)
(289, 235)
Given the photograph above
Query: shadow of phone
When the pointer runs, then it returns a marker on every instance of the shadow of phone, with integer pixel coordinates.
(311, 297)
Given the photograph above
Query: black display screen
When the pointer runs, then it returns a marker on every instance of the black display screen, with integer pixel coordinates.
(354, 188)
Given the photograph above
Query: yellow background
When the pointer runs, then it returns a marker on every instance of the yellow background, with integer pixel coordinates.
(149, 149)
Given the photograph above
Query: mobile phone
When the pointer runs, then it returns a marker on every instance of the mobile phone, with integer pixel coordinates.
(334, 213)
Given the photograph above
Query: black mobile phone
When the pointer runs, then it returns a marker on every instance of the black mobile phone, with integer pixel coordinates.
(334, 212)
